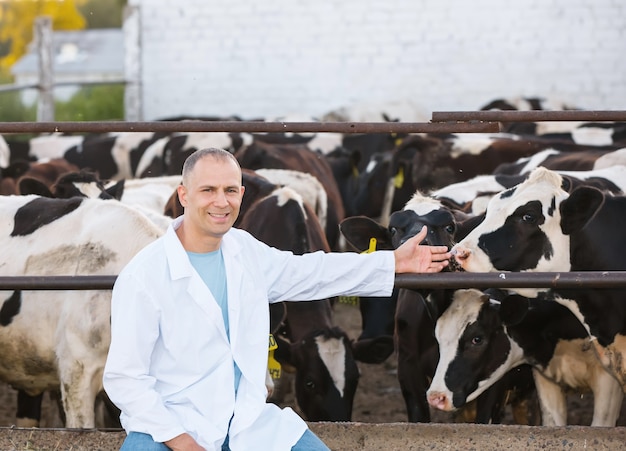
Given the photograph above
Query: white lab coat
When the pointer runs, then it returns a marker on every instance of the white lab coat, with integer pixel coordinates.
(170, 364)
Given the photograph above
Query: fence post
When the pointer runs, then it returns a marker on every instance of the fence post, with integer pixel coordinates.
(132, 65)
(43, 38)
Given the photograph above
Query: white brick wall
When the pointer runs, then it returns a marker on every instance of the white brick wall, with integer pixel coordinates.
(275, 57)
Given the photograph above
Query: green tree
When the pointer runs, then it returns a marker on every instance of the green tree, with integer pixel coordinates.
(11, 107)
(103, 13)
(93, 103)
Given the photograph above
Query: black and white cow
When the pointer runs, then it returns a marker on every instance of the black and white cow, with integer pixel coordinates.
(326, 371)
(473, 195)
(416, 311)
(167, 154)
(114, 156)
(583, 159)
(539, 226)
(481, 340)
(59, 339)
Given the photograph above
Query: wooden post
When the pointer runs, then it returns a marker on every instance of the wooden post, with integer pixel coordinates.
(43, 38)
(133, 110)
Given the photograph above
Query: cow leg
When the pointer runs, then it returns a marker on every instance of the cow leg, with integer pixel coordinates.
(28, 410)
(607, 400)
(80, 385)
(552, 401)
(417, 356)
(107, 414)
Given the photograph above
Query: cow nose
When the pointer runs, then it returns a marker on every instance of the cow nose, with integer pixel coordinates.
(439, 401)
(460, 253)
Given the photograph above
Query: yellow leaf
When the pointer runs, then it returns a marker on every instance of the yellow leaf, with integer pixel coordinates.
(18, 18)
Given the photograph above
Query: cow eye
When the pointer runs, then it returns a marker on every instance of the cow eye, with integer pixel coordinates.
(450, 229)
(477, 340)
(310, 385)
(393, 230)
(529, 218)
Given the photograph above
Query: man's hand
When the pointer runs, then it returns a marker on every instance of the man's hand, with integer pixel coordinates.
(414, 257)
(184, 442)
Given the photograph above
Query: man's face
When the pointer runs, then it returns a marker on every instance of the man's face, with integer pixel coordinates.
(212, 196)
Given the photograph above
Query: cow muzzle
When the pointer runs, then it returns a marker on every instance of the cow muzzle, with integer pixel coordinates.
(440, 400)
(460, 256)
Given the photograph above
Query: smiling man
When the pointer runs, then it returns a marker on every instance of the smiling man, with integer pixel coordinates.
(190, 320)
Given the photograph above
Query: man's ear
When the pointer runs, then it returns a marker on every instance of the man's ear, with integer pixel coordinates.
(182, 194)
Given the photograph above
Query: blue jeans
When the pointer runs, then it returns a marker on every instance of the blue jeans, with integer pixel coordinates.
(138, 441)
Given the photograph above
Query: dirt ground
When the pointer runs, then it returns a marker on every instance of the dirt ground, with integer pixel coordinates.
(378, 398)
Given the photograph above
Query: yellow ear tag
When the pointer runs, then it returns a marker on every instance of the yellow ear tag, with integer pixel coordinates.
(398, 180)
(273, 365)
(398, 141)
(372, 247)
(355, 171)
(349, 300)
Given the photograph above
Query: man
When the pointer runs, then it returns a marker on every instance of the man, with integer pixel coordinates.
(190, 320)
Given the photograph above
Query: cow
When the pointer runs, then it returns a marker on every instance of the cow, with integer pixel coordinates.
(567, 160)
(326, 371)
(59, 339)
(415, 312)
(113, 156)
(361, 166)
(298, 157)
(148, 196)
(539, 226)
(425, 163)
(166, 155)
(308, 186)
(473, 195)
(483, 336)
(45, 172)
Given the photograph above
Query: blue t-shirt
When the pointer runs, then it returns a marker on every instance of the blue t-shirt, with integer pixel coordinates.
(210, 267)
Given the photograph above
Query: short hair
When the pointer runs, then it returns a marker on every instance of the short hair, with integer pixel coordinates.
(218, 154)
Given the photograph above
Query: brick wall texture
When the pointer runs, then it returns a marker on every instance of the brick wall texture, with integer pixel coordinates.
(282, 57)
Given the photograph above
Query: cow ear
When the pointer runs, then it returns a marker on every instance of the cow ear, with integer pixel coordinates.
(359, 230)
(566, 184)
(513, 309)
(31, 185)
(283, 353)
(116, 190)
(578, 209)
(373, 350)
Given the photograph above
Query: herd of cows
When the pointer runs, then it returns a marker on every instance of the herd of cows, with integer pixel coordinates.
(533, 198)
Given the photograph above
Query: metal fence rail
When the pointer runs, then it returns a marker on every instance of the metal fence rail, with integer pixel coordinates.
(530, 116)
(584, 279)
(248, 126)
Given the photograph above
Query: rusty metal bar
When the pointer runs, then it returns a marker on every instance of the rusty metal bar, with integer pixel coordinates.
(585, 279)
(248, 126)
(57, 283)
(528, 116)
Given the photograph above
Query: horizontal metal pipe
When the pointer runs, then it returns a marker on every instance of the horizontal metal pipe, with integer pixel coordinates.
(248, 126)
(57, 282)
(528, 116)
(585, 279)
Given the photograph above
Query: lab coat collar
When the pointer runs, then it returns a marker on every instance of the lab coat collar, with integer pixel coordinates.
(177, 254)
(180, 268)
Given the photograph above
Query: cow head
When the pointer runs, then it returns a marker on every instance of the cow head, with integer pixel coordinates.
(474, 350)
(419, 211)
(326, 373)
(528, 227)
(521, 230)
